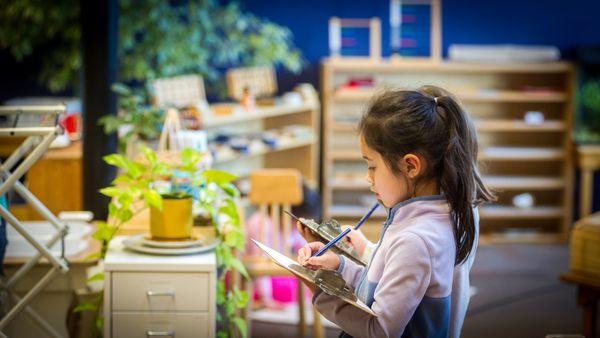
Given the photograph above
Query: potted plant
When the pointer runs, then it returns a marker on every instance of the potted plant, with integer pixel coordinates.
(136, 121)
(134, 190)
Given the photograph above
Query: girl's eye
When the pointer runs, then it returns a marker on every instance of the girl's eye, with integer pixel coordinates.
(371, 168)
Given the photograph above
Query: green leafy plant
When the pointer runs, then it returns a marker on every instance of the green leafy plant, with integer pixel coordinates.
(142, 121)
(156, 39)
(132, 191)
(588, 126)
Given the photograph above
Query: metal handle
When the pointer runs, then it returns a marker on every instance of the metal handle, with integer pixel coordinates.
(166, 293)
(160, 333)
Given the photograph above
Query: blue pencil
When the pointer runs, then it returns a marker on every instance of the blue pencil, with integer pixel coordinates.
(345, 232)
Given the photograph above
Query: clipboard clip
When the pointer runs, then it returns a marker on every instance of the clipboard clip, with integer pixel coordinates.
(327, 231)
(332, 283)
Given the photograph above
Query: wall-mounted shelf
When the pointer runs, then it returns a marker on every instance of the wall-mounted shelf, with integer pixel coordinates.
(300, 152)
(240, 115)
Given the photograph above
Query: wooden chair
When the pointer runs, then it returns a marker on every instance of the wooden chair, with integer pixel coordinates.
(275, 190)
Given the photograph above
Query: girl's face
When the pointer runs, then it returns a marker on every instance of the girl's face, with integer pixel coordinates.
(390, 189)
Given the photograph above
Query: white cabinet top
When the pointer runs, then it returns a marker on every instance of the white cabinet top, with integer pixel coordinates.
(120, 259)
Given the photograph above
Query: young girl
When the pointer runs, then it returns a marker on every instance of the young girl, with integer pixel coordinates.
(421, 152)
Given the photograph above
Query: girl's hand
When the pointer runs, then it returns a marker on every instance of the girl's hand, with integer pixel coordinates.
(356, 240)
(306, 233)
(328, 260)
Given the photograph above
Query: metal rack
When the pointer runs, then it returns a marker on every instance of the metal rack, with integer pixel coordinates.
(36, 143)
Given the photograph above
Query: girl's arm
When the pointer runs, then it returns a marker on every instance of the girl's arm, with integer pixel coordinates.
(398, 293)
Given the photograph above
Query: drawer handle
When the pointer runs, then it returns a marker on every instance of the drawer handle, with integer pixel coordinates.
(166, 293)
(160, 334)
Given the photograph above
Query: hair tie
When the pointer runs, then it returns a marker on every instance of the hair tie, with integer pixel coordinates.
(435, 100)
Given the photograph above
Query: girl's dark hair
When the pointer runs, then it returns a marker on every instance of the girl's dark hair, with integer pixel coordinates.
(431, 123)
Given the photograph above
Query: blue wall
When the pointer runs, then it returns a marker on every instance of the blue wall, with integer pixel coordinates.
(565, 24)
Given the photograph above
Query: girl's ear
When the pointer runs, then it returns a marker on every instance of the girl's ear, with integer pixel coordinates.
(412, 165)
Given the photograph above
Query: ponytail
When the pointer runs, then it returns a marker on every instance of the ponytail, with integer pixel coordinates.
(460, 179)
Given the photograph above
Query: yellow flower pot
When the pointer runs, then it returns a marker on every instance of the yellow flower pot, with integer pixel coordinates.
(174, 221)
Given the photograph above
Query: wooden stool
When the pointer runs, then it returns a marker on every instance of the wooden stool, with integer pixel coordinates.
(275, 190)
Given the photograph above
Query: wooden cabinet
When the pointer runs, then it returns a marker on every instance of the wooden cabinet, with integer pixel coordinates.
(516, 157)
(172, 296)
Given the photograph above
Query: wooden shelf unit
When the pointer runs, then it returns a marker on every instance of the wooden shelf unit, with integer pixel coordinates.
(515, 157)
(300, 153)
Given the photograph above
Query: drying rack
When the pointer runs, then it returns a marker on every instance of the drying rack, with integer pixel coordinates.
(36, 143)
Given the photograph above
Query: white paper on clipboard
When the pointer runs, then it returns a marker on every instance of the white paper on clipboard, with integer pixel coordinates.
(304, 273)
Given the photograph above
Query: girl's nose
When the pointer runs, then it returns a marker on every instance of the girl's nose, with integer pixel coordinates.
(368, 178)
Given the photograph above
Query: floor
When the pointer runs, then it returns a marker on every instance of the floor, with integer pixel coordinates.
(518, 294)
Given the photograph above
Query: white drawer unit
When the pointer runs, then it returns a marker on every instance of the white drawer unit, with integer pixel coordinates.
(158, 296)
(142, 291)
(160, 324)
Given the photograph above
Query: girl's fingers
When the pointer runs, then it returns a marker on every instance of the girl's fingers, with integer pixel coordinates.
(315, 261)
(303, 252)
(307, 251)
(315, 246)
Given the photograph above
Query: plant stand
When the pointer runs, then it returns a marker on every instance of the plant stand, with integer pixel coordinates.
(34, 146)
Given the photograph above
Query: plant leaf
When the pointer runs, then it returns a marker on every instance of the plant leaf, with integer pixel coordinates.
(86, 306)
(96, 277)
(241, 326)
(153, 198)
(237, 264)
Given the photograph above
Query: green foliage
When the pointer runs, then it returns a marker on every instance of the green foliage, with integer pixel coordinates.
(132, 191)
(156, 39)
(30, 26)
(588, 125)
(218, 198)
(143, 120)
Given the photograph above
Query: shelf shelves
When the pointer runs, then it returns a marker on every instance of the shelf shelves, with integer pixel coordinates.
(521, 154)
(354, 211)
(489, 154)
(524, 182)
(345, 126)
(446, 67)
(346, 155)
(499, 125)
(515, 156)
(497, 212)
(235, 155)
(511, 183)
(512, 96)
(240, 115)
(348, 184)
(483, 96)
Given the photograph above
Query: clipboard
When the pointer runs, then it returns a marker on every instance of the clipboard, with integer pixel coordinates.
(326, 232)
(330, 281)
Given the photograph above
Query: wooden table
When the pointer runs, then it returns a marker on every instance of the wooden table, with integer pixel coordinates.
(588, 157)
(588, 294)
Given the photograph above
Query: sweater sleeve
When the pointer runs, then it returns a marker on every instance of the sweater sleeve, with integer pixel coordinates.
(350, 271)
(405, 279)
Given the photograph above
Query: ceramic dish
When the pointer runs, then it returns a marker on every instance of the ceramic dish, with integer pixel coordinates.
(186, 243)
(134, 243)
